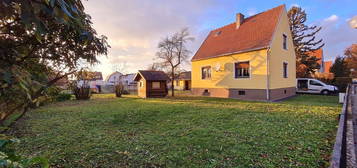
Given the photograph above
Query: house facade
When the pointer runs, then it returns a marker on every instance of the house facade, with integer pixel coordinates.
(128, 82)
(251, 59)
(324, 70)
(183, 81)
(113, 78)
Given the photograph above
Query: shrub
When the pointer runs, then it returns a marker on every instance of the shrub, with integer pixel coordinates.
(82, 93)
(9, 158)
(63, 97)
(119, 89)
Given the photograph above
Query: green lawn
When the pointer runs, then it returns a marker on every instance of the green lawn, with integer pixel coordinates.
(182, 132)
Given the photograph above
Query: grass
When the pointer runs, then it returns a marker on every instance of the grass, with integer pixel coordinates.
(182, 132)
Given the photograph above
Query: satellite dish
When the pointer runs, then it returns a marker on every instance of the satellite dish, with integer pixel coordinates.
(217, 67)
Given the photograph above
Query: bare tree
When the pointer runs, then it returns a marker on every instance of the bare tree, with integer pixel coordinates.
(173, 52)
(120, 67)
(154, 67)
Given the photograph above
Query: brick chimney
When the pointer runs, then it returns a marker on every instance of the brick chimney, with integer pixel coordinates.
(240, 19)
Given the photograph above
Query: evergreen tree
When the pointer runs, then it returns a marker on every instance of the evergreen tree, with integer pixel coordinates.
(339, 67)
(304, 38)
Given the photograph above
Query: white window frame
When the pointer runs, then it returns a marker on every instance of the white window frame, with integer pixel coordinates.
(202, 73)
(234, 70)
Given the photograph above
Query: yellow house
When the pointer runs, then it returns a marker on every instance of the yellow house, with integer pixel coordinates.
(183, 81)
(252, 59)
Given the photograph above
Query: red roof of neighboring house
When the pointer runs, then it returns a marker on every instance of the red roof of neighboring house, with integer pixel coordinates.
(254, 33)
(318, 54)
(152, 75)
(327, 66)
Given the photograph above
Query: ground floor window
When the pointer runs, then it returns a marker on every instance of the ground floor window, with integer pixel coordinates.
(242, 69)
(206, 72)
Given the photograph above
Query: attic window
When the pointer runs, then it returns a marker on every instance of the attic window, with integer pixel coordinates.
(218, 33)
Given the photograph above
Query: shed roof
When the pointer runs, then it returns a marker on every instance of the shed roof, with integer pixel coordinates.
(151, 75)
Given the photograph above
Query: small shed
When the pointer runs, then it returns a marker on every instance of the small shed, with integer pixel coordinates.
(151, 83)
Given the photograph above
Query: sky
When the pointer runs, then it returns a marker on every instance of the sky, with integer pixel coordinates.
(134, 27)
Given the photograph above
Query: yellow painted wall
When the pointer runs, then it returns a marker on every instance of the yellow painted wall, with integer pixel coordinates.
(224, 78)
(181, 83)
(142, 89)
(258, 63)
(279, 55)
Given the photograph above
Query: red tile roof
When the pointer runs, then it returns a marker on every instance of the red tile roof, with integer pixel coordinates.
(327, 66)
(255, 33)
(318, 54)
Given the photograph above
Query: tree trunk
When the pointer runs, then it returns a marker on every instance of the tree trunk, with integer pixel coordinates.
(172, 82)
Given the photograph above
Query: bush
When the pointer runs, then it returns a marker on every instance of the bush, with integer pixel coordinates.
(82, 93)
(119, 89)
(9, 158)
(63, 97)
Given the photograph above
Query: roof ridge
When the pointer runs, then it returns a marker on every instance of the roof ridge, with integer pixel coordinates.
(244, 39)
(248, 17)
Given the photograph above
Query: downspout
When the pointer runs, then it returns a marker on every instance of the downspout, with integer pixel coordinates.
(268, 74)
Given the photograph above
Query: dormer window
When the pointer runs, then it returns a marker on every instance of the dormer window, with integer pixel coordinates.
(285, 44)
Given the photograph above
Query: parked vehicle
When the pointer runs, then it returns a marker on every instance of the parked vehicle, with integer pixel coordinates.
(307, 85)
(354, 80)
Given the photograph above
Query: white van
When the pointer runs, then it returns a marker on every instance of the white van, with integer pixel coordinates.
(307, 85)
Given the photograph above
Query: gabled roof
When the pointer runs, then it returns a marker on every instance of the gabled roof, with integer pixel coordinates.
(256, 32)
(184, 76)
(318, 54)
(151, 75)
(114, 73)
(327, 66)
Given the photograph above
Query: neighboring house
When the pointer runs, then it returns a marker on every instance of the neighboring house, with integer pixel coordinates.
(327, 66)
(95, 82)
(128, 82)
(183, 81)
(113, 78)
(151, 83)
(324, 65)
(324, 71)
(62, 83)
(252, 59)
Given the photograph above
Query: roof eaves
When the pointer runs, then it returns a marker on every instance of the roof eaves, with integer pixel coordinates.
(237, 52)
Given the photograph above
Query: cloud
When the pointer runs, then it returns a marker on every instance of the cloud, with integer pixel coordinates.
(353, 22)
(294, 5)
(337, 36)
(332, 18)
(135, 27)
